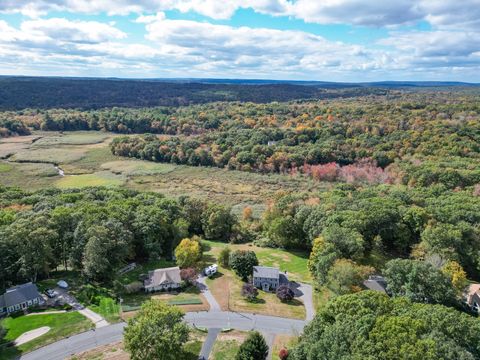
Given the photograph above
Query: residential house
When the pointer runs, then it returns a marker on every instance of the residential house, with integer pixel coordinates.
(472, 297)
(266, 278)
(376, 283)
(163, 279)
(20, 297)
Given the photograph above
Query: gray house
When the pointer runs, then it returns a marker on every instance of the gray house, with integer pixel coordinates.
(266, 278)
(163, 279)
(20, 297)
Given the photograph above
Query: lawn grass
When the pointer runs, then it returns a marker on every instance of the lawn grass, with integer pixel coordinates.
(282, 341)
(188, 299)
(227, 344)
(101, 178)
(108, 308)
(61, 325)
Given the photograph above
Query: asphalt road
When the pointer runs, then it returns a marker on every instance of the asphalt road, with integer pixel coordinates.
(208, 343)
(211, 320)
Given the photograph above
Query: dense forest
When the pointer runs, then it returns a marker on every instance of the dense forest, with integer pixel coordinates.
(87, 93)
(408, 138)
(96, 231)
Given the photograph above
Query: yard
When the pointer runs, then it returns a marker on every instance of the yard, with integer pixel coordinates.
(61, 325)
(189, 299)
(226, 288)
(227, 344)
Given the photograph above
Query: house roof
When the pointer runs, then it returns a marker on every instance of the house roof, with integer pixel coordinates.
(472, 290)
(377, 283)
(163, 276)
(265, 272)
(19, 294)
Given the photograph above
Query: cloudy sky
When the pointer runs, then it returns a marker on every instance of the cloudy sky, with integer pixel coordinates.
(330, 40)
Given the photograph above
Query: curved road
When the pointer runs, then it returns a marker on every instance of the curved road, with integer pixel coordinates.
(217, 320)
(214, 320)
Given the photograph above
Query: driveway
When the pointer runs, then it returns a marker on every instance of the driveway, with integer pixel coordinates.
(202, 285)
(65, 296)
(307, 299)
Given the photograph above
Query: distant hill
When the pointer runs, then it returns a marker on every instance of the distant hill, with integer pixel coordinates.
(91, 93)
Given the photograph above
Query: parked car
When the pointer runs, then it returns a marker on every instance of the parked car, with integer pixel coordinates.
(62, 284)
(50, 293)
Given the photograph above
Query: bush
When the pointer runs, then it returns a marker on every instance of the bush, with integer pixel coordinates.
(133, 287)
(249, 291)
(189, 275)
(242, 262)
(283, 354)
(284, 293)
(223, 257)
(90, 294)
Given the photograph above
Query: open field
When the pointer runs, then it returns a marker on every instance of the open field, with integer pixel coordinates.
(61, 325)
(86, 159)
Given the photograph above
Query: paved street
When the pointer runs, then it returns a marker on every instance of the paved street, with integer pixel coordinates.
(216, 320)
(208, 343)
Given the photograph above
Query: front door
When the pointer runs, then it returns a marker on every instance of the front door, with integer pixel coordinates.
(265, 286)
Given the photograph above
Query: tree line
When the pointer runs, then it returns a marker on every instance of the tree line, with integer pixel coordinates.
(96, 231)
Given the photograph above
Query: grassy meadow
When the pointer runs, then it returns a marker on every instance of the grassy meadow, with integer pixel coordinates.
(85, 157)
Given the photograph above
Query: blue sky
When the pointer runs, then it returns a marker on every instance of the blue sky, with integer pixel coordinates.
(328, 40)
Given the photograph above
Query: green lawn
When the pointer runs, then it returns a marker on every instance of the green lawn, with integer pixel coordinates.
(62, 325)
(191, 350)
(189, 296)
(225, 350)
(108, 308)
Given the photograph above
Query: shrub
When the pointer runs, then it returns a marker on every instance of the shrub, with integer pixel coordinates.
(133, 287)
(249, 291)
(189, 275)
(284, 293)
(283, 354)
(223, 257)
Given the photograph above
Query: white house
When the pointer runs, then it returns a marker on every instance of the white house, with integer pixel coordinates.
(20, 297)
(163, 279)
